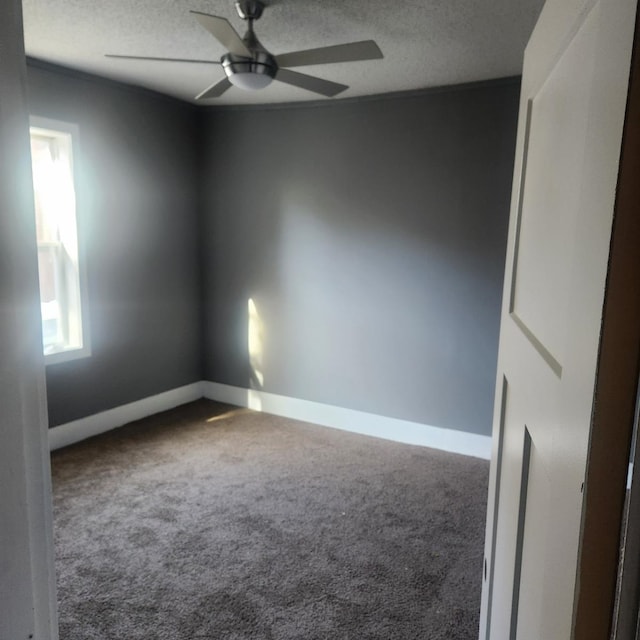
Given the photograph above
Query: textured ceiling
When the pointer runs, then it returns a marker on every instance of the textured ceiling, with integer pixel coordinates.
(426, 43)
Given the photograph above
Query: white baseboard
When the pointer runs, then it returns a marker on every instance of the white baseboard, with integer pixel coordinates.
(83, 428)
(463, 442)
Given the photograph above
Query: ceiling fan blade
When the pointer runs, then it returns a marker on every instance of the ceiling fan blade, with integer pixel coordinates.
(221, 30)
(215, 90)
(311, 83)
(114, 55)
(365, 50)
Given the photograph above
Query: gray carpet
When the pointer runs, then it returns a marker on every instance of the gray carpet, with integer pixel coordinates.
(213, 522)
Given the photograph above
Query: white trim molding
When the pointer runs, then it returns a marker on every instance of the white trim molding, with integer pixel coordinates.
(368, 424)
(92, 425)
(462, 442)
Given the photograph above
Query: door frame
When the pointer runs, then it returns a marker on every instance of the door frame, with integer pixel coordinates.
(615, 391)
(27, 576)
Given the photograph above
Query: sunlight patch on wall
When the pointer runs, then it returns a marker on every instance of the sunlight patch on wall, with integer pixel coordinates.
(255, 342)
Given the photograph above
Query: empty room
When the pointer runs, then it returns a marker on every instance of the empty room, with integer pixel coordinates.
(292, 348)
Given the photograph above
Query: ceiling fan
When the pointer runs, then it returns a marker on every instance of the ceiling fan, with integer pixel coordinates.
(249, 65)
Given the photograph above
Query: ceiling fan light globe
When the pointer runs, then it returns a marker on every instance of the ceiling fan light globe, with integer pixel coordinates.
(250, 81)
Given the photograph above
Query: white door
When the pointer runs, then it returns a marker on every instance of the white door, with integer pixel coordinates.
(572, 108)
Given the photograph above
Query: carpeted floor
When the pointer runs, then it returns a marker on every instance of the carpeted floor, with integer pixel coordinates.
(213, 522)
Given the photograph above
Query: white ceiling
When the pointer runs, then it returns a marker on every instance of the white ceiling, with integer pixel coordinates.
(426, 43)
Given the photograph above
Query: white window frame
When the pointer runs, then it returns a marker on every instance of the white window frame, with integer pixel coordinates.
(75, 353)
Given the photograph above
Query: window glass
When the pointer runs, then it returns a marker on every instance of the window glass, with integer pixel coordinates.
(64, 333)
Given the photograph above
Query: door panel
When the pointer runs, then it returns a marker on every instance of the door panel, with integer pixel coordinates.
(534, 505)
(501, 561)
(549, 207)
(571, 118)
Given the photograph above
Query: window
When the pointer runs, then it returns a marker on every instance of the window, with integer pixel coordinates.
(62, 300)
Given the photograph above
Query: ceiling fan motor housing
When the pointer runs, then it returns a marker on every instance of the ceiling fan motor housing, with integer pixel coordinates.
(250, 73)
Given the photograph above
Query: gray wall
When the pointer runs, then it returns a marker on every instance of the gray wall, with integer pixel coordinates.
(138, 206)
(371, 237)
(369, 234)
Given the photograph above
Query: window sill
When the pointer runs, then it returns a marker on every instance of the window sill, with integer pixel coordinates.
(66, 356)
